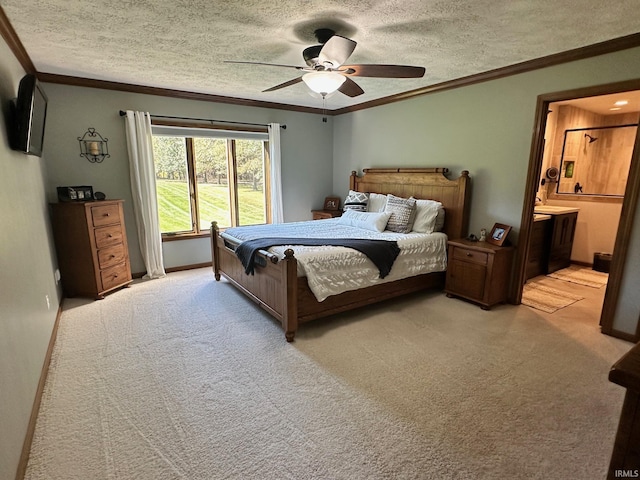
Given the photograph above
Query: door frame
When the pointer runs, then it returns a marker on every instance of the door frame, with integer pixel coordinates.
(632, 193)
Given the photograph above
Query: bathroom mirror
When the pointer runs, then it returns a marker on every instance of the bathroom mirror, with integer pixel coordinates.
(596, 160)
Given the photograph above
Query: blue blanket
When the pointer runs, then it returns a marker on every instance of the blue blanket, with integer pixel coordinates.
(381, 252)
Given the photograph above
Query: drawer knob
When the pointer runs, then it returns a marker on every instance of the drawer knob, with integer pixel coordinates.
(469, 254)
(110, 236)
(106, 214)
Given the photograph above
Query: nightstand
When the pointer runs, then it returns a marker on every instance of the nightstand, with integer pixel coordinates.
(478, 271)
(322, 214)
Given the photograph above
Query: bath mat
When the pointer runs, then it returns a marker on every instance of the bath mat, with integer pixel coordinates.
(582, 276)
(545, 298)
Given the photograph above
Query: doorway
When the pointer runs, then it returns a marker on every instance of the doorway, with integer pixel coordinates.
(629, 203)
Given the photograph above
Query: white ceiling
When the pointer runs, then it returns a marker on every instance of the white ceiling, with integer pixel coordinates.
(182, 44)
(608, 104)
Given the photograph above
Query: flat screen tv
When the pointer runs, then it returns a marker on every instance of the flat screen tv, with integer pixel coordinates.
(29, 115)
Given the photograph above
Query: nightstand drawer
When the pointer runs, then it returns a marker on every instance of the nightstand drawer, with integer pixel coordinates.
(469, 255)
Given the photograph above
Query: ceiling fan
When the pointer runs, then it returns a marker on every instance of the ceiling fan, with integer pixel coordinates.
(326, 71)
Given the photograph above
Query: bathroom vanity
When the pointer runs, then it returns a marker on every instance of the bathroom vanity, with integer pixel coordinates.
(551, 242)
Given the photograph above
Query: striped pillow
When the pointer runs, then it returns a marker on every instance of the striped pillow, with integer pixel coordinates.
(403, 212)
(357, 201)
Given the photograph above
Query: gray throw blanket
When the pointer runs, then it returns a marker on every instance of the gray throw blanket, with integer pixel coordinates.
(381, 252)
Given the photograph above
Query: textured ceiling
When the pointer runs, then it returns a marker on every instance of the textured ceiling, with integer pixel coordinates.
(182, 44)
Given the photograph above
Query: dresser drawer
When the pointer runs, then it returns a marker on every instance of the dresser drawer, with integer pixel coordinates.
(108, 257)
(115, 276)
(469, 255)
(106, 236)
(105, 214)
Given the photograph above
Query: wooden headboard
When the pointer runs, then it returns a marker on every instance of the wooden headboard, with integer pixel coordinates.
(422, 183)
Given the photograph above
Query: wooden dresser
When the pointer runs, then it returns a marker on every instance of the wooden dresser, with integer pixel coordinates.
(91, 243)
(478, 271)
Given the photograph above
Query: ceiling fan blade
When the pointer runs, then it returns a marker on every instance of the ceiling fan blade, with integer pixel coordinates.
(336, 51)
(382, 71)
(350, 88)
(285, 84)
(267, 64)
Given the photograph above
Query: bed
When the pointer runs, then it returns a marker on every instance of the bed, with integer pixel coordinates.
(275, 284)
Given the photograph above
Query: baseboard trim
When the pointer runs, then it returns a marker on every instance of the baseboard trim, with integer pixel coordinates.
(629, 337)
(176, 269)
(582, 264)
(188, 267)
(31, 428)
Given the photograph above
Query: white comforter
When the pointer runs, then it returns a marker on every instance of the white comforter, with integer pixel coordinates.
(333, 270)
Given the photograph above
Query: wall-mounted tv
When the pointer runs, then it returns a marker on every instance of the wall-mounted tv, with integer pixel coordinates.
(29, 116)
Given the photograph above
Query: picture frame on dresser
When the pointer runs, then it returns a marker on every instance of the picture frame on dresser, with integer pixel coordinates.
(498, 235)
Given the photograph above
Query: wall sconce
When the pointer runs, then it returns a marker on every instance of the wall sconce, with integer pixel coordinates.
(93, 147)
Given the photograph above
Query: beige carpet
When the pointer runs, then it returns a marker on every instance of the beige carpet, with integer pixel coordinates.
(183, 378)
(547, 298)
(581, 275)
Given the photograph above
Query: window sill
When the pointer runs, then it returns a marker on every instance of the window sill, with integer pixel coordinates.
(171, 237)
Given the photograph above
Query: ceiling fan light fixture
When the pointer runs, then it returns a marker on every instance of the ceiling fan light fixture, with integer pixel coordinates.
(323, 83)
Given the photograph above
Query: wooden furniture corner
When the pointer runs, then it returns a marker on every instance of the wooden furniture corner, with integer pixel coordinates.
(626, 449)
(322, 214)
(478, 271)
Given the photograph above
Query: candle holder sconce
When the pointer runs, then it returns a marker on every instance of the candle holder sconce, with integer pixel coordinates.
(93, 147)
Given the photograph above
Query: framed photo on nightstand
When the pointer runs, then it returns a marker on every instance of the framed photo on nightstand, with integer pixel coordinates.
(331, 203)
(498, 234)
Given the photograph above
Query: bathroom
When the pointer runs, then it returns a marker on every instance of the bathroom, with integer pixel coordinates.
(587, 154)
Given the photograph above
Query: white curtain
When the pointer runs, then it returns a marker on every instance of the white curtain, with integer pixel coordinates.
(143, 189)
(277, 215)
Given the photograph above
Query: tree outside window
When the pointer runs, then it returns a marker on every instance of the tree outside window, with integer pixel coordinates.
(201, 179)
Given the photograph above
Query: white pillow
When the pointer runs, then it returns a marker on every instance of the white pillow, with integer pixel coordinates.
(377, 202)
(426, 213)
(374, 221)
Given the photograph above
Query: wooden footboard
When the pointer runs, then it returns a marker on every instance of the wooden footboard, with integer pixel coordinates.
(275, 285)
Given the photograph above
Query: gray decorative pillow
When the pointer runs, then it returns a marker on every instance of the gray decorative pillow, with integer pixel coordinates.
(403, 212)
(357, 201)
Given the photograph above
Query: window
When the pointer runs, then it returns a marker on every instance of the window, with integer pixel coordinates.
(210, 174)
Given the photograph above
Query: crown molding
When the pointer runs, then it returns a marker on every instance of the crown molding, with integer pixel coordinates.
(608, 46)
(166, 92)
(11, 37)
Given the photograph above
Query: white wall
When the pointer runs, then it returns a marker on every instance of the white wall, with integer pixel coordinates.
(27, 264)
(485, 128)
(306, 146)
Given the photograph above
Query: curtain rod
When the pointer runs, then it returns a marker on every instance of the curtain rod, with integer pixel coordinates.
(284, 127)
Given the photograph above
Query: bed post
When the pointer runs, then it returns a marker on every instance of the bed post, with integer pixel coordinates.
(290, 294)
(352, 180)
(215, 254)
